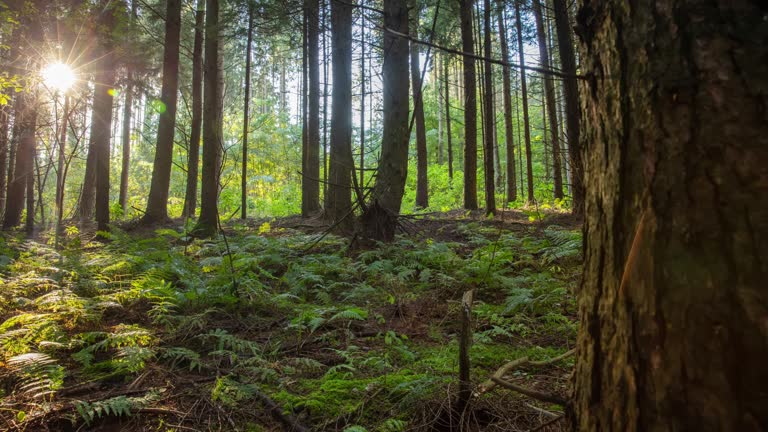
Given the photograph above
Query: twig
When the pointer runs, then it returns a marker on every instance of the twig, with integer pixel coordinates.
(288, 421)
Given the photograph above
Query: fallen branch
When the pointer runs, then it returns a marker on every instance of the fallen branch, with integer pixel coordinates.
(545, 397)
(490, 384)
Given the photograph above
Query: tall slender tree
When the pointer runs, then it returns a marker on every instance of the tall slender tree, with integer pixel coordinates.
(572, 107)
(509, 138)
(127, 113)
(489, 117)
(338, 205)
(246, 116)
(213, 117)
(193, 152)
(393, 165)
(551, 103)
(524, 90)
(422, 191)
(673, 301)
(310, 181)
(470, 106)
(449, 143)
(157, 203)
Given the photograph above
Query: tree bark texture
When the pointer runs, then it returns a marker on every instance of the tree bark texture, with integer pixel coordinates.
(673, 304)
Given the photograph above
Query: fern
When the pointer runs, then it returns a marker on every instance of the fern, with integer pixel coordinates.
(179, 355)
(39, 375)
(116, 406)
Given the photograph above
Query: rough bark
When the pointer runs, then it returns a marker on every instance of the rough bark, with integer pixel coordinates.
(193, 152)
(509, 138)
(470, 107)
(393, 165)
(207, 224)
(422, 195)
(310, 183)
(572, 108)
(526, 118)
(489, 117)
(551, 104)
(25, 123)
(673, 305)
(157, 203)
(338, 203)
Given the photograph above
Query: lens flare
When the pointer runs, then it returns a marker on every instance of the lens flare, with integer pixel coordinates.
(58, 76)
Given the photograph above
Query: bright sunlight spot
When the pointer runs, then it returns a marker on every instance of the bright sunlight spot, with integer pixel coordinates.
(58, 76)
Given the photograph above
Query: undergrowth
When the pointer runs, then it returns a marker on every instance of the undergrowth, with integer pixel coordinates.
(357, 341)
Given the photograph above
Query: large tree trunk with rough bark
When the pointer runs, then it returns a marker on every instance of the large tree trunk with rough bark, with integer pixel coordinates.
(422, 193)
(673, 304)
(193, 152)
(338, 204)
(157, 203)
(310, 181)
(213, 118)
(572, 108)
(470, 107)
(101, 134)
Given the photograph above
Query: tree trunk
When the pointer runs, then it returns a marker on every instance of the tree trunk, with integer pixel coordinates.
(570, 88)
(310, 183)
(60, 164)
(101, 131)
(673, 303)
(393, 165)
(208, 223)
(25, 124)
(362, 97)
(157, 203)
(448, 143)
(4, 149)
(193, 153)
(470, 107)
(338, 200)
(126, 141)
(490, 126)
(246, 115)
(422, 195)
(551, 104)
(509, 138)
(526, 118)
(325, 100)
(436, 71)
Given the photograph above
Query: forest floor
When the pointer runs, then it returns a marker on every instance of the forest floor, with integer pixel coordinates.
(276, 323)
